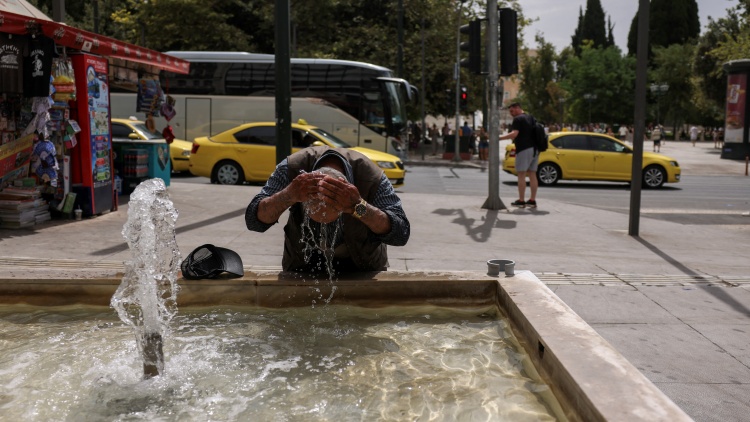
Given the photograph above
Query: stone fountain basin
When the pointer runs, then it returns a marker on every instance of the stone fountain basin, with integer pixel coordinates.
(591, 380)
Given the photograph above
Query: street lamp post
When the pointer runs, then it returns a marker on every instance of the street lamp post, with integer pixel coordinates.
(589, 98)
(561, 100)
(659, 90)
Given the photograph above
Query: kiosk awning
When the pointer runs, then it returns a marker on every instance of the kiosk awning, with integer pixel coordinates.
(89, 42)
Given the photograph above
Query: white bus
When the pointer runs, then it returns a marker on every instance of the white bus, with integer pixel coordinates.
(361, 103)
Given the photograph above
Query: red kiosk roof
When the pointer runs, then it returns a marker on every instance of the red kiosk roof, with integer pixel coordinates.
(89, 42)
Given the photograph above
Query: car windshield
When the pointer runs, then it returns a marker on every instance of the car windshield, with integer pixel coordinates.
(336, 142)
(141, 127)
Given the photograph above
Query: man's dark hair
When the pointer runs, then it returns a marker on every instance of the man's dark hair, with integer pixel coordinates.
(516, 104)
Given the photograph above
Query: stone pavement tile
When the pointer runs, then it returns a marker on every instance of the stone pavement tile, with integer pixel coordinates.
(710, 403)
(612, 305)
(674, 353)
(734, 338)
(703, 303)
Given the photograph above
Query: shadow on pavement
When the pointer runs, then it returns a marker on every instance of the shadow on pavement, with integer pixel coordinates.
(482, 231)
(720, 294)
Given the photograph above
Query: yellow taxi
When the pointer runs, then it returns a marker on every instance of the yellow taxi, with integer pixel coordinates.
(129, 130)
(247, 153)
(594, 156)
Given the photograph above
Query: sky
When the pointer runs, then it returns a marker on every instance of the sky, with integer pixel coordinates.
(558, 18)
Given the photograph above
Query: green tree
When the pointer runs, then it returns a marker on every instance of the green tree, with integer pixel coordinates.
(603, 72)
(591, 27)
(538, 82)
(577, 38)
(670, 22)
(677, 105)
(594, 24)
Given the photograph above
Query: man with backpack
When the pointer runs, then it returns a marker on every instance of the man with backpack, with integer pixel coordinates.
(522, 132)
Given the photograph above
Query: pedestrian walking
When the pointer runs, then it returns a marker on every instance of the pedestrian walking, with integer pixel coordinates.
(715, 135)
(484, 144)
(527, 158)
(693, 134)
(623, 132)
(434, 136)
(446, 132)
(656, 136)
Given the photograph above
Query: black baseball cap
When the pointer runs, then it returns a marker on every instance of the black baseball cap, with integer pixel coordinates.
(209, 261)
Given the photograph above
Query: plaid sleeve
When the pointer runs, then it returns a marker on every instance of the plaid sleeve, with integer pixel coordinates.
(277, 182)
(387, 201)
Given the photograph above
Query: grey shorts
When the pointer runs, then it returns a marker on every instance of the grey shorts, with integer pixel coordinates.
(526, 160)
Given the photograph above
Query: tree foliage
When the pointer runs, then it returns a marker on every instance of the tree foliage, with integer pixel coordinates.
(669, 22)
(605, 73)
(677, 104)
(591, 27)
(540, 95)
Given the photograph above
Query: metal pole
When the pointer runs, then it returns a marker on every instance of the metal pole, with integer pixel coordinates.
(424, 128)
(400, 41)
(457, 77)
(58, 10)
(493, 201)
(283, 83)
(639, 117)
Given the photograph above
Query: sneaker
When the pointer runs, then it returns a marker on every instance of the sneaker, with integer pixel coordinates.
(518, 203)
(531, 203)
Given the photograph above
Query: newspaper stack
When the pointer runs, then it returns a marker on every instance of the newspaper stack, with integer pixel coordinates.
(22, 207)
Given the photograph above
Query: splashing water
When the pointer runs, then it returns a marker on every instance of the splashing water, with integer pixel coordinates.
(327, 234)
(147, 297)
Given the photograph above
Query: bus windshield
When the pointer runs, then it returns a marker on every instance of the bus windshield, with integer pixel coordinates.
(336, 142)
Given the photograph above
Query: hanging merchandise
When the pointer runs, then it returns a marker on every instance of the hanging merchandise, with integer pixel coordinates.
(38, 67)
(12, 50)
(69, 136)
(168, 134)
(150, 96)
(63, 80)
(43, 161)
(167, 109)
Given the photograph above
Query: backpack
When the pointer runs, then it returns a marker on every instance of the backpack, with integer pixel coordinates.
(538, 135)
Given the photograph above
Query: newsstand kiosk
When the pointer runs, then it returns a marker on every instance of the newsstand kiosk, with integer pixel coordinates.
(91, 172)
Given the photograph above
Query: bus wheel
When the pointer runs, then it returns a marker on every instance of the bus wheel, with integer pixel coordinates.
(227, 173)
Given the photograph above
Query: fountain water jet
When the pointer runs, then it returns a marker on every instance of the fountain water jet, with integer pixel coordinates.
(147, 297)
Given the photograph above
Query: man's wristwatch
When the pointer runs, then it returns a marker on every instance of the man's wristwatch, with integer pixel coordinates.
(360, 209)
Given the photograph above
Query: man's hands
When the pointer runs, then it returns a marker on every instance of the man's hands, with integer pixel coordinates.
(338, 194)
(305, 186)
(302, 189)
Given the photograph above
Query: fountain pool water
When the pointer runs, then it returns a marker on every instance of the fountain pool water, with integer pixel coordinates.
(305, 364)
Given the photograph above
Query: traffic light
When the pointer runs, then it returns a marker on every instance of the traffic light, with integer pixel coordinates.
(450, 101)
(473, 46)
(508, 42)
(464, 103)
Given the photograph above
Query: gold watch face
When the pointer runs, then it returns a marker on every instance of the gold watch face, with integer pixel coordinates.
(360, 209)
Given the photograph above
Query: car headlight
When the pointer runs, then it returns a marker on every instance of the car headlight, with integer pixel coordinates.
(186, 153)
(385, 164)
(674, 163)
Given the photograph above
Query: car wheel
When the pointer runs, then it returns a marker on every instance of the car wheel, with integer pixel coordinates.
(228, 173)
(654, 177)
(548, 174)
